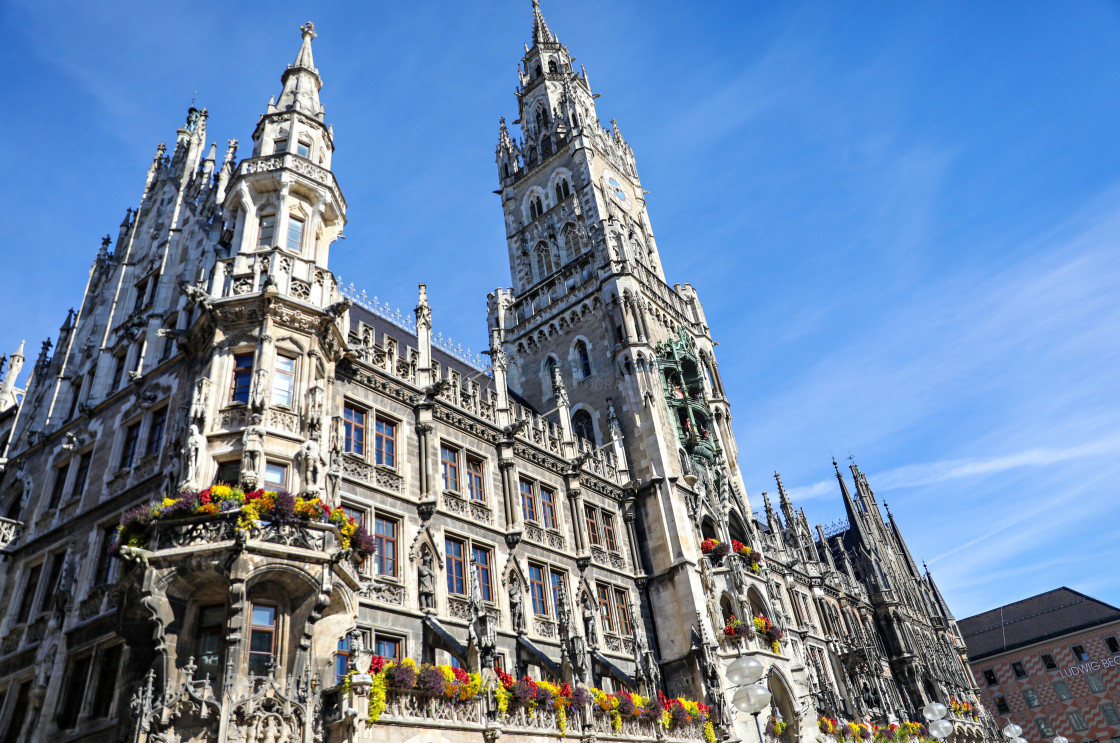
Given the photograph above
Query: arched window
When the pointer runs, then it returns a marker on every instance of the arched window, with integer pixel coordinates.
(542, 119)
(552, 66)
(536, 207)
(537, 71)
(549, 370)
(584, 360)
(582, 426)
(573, 240)
(562, 190)
(505, 170)
(544, 261)
(546, 146)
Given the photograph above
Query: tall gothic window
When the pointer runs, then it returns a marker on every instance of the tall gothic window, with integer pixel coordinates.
(563, 191)
(582, 426)
(584, 360)
(552, 66)
(542, 119)
(544, 261)
(536, 207)
(546, 146)
(573, 240)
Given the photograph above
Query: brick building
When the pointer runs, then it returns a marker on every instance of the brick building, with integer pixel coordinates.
(1050, 663)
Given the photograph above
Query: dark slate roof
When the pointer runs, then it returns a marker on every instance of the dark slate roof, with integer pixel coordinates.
(1062, 611)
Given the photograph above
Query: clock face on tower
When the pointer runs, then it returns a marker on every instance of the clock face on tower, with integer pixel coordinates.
(616, 189)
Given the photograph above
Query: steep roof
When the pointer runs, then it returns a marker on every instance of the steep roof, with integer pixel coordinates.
(1048, 615)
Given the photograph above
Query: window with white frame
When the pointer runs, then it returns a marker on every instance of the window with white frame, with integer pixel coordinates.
(283, 381)
(295, 234)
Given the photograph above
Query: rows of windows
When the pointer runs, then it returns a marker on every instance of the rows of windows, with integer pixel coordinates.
(1080, 655)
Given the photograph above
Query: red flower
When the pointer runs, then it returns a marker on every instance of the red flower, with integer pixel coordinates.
(703, 708)
(505, 678)
(461, 675)
(204, 497)
(736, 545)
(708, 545)
(565, 689)
(377, 664)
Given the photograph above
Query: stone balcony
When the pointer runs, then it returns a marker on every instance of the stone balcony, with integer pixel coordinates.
(459, 722)
(196, 536)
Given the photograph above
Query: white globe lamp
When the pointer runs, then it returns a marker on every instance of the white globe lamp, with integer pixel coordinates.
(744, 670)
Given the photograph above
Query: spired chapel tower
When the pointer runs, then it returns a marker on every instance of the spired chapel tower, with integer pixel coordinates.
(633, 356)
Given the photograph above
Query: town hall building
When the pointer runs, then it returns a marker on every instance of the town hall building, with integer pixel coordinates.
(241, 502)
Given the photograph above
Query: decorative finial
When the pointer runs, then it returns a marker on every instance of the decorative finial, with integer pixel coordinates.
(308, 29)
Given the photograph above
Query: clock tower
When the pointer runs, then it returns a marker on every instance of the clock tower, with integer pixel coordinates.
(589, 298)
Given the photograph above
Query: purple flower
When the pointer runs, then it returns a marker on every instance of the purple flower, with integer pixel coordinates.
(774, 633)
(284, 510)
(581, 696)
(230, 504)
(652, 710)
(723, 548)
(186, 505)
(362, 542)
(524, 691)
(625, 704)
(137, 518)
(679, 714)
(401, 677)
(543, 697)
(430, 681)
(743, 629)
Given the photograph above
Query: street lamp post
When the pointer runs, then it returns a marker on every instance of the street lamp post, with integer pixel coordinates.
(1014, 734)
(752, 696)
(939, 728)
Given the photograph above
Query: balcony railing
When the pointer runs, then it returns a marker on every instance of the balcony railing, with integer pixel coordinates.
(420, 710)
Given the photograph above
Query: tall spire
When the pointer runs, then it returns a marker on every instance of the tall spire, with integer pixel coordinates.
(301, 80)
(854, 524)
(541, 32)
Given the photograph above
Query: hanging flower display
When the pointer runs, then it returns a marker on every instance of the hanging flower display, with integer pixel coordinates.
(775, 727)
(708, 546)
(277, 507)
(752, 557)
(769, 630)
(738, 628)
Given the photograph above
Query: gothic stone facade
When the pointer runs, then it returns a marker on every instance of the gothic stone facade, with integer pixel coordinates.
(544, 514)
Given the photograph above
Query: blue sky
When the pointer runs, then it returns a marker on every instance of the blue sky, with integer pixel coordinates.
(902, 218)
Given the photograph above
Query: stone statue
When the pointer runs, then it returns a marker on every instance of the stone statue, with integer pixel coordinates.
(516, 607)
(652, 671)
(195, 454)
(360, 655)
(427, 583)
(579, 659)
(589, 621)
(200, 401)
(62, 594)
(310, 458)
(252, 451)
(315, 398)
(260, 389)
